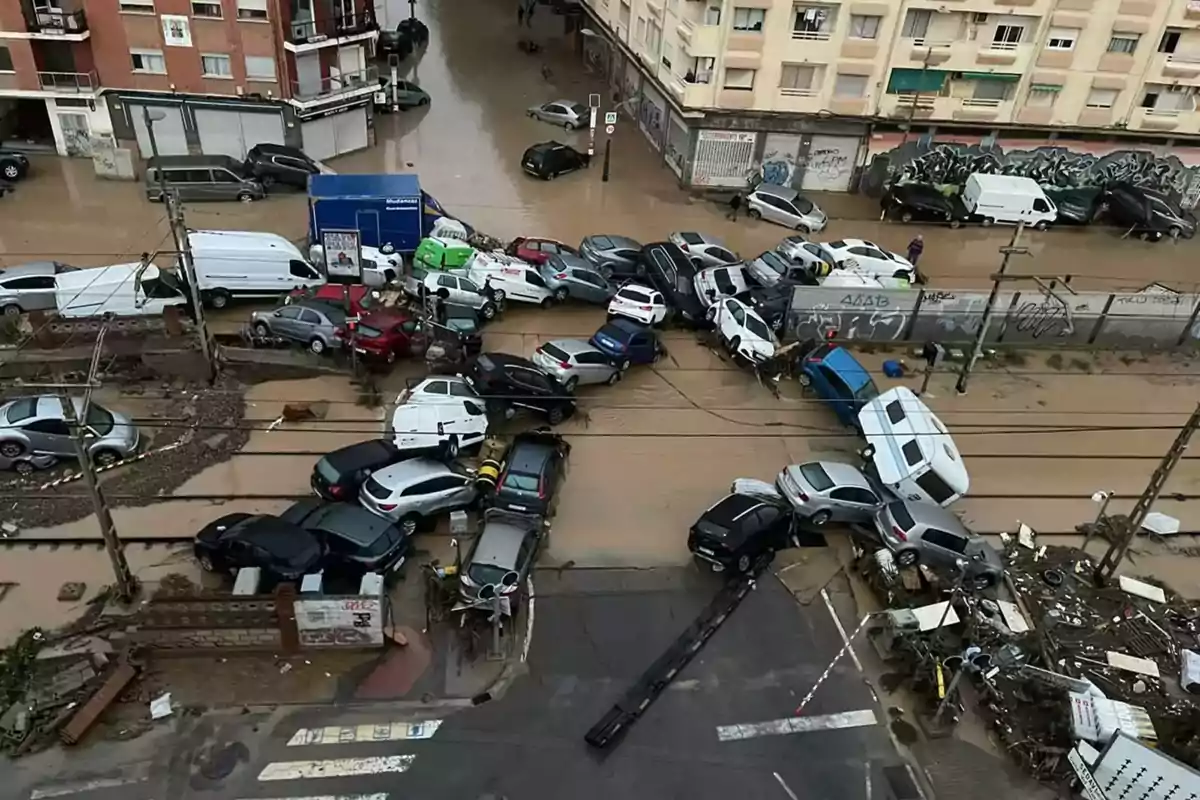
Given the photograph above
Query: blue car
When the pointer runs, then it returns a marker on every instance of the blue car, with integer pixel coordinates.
(838, 379)
(627, 342)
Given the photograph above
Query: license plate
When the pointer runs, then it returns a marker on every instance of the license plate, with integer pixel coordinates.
(706, 551)
(519, 508)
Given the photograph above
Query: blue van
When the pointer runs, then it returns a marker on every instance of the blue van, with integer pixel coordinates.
(838, 379)
(627, 342)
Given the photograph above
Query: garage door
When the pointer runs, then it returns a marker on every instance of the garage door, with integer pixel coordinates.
(336, 134)
(830, 164)
(168, 131)
(233, 133)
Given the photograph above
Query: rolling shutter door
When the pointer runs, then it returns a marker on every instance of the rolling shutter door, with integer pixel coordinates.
(168, 131)
(320, 141)
(830, 163)
(233, 133)
(351, 130)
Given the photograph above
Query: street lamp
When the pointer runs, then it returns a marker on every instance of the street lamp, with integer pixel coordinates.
(151, 117)
(608, 52)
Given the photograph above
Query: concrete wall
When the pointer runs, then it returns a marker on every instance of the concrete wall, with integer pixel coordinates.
(340, 621)
(1152, 318)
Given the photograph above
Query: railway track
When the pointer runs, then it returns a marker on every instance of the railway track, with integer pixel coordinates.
(82, 542)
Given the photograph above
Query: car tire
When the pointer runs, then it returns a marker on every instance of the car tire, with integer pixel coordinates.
(267, 181)
(424, 101)
(802, 228)
(614, 378)
(955, 224)
(1041, 225)
(568, 126)
(105, 457)
(11, 449)
(754, 213)
(488, 311)
(500, 296)
(734, 343)
(572, 383)
(906, 217)
(450, 449)
(804, 379)
(409, 524)
(867, 453)
(820, 518)
(261, 330)
(316, 346)
(390, 358)
(443, 293)
(11, 171)
(12, 310)
(1174, 231)
(743, 563)
(560, 294)
(218, 298)
(555, 415)
(206, 563)
(908, 557)
(24, 468)
(245, 197)
(987, 222)
(625, 365)
(546, 303)
(982, 581)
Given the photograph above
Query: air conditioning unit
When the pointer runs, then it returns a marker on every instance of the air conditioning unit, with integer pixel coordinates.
(979, 19)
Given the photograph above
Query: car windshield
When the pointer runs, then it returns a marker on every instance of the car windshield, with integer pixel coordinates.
(683, 284)
(579, 108)
(756, 326)
(899, 512)
(369, 332)
(326, 471)
(388, 538)
(867, 392)
(601, 242)
(816, 476)
(483, 574)
(555, 353)
(21, 410)
(803, 204)
(520, 482)
(375, 489)
(99, 420)
(462, 325)
(723, 281)
(774, 262)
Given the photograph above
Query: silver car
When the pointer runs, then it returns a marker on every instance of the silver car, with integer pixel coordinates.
(37, 425)
(30, 287)
(575, 278)
(567, 113)
(414, 490)
(716, 282)
(314, 324)
(924, 533)
(807, 254)
(827, 490)
(575, 362)
(500, 557)
(785, 206)
(771, 268)
(703, 250)
(616, 255)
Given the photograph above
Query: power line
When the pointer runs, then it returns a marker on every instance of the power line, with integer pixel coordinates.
(218, 496)
(971, 456)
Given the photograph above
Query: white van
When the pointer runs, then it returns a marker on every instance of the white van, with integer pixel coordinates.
(248, 264)
(910, 449)
(445, 428)
(511, 277)
(1008, 198)
(119, 290)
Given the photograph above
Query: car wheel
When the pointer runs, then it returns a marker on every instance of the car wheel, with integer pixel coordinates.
(267, 181)
(11, 171)
(206, 563)
(12, 310)
(261, 330)
(570, 126)
(802, 228)
(955, 224)
(451, 448)
(988, 222)
(218, 299)
(820, 518)
(984, 580)
(11, 449)
(488, 311)
(390, 358)
(1146, 236)
(408, 524)
(1174, 232)
(614, 377)
(571, 383)
(743, 562)
(547, 302)
(555, 415)
(805, 379)
(867, 453)
(105, 458)
(735, 343)
(1041, 225)
(754, 213)
(316, 346)
(24, 468)
(245, 197)
(625, 365)
(424, 101)
(906, 217)
(560, 294)
(908, 558)
(443, 293)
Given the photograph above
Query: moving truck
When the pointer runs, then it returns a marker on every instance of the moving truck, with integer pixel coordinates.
(1009, 199)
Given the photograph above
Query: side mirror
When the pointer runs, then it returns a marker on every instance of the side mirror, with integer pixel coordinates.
(276, 314)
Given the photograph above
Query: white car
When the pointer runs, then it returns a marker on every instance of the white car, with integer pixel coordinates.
(742, 330)
(703, 250)
(447, 428)
(437, 389)
(860, 255)
(716, 282)
(459, 290)
(511, 278)
(638, 303)
(808, 254)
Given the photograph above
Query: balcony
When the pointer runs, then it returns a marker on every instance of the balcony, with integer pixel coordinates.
(1160, 119)
(1007, 54)
(907, 105)
(69, 82)
(45, 22)
(801, 101)
(308, 33)
(983, 110)
(692, 94)
(1183, 66)
(343, 86)
(700, 41)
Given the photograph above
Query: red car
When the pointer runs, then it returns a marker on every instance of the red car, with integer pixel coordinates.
(361, 299)
(383, 335)
(536, 251)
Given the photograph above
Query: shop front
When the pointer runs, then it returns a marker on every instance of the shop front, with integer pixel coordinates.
(652, 116)
(723, 159)
(678, 145)
(336, 129)
(185, 124)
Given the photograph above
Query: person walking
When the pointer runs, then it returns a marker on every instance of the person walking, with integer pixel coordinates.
(735, 205)
(915, 248)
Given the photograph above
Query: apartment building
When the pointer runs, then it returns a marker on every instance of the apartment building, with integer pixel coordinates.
(219, 76)
(809, 91)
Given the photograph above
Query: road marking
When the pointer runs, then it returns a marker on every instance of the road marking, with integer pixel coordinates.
(786, 788)
(356, 734)
(841, 630)
(64, 789)
(379, 796)
(334, 768)
(780, 727)
(867, 781)
(528, 619)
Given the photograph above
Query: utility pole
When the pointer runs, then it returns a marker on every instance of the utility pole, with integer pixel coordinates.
(183, 249)
(1133, 523)
(125, 583)
(989, 310)
(912, 109)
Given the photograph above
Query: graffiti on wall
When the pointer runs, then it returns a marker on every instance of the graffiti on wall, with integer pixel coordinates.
(779, 159)
(651, 118)
(851, 314)
(948, 163)
(828, 164)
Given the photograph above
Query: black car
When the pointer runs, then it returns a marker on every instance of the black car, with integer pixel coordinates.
(530, 473)
(464, 322)
(672, 273)
(13, 165)
(398, 42)
(548, 160)
(1075, 206)
(416, 31)
(274, 545)
(340, 474)
(771, 303)
(356, 538)
(277, 163)
(733, 533)
(1149, 214)
(910, 201)
(508, 382)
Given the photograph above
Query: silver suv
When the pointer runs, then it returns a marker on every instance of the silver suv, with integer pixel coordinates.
(415, 490)
(923, 533)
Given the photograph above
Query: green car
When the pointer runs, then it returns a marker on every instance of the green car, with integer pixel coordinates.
(435, 253)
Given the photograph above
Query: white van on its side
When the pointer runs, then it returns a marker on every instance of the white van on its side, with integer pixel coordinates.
(119, 290)
(1008, 198)
(910, 449)
(250, 264)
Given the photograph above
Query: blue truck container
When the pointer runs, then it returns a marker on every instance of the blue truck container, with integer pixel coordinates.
(384, 209)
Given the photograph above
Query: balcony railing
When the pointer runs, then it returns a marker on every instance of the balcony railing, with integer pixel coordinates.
(914, 100)
(921, 41)
(1003, 46)
(341, 84)
(980, 102)
(55, 21)
(790, 92)
(69, 82)
(1162, 112)
(1185, 59)
(812, 36)
(310, 31)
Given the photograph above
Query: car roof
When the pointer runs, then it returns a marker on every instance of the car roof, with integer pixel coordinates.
(669, 249)
(282, 538)
(500, 361)
(692, 237)
(637, 287)
(384, 317)
(786, 192)
(414, 470)
(935, 517)
(499, 543)
(572, 261)
(349, 521)
(623, 328)
(568, 103)
(572, 346)
(842, 244)
(528, 457)
(731, 507)
(614, 242)
(917, 188)
(843, 474)
(359, 454)
(278, 149)
(843, 362)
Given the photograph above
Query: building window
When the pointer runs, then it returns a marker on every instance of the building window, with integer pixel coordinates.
(700, 71)
(813, 22)
(6, 64)
(749, 19)
(260, 68)
(1169, 41)
(797, 79)
(653, 37)
(639, 33)
(151, 61)
(864, 27)
(206, 8)
(916, 23)
(137, 6)
(1062, 38)
(1169, 99)
(215, 65)
(712, 15)
(739, 79)
(1042, 96)
(1007, 37)
(1124, 43)
(1102, 98)
(991, 90)
(850, 86)
(252, 9)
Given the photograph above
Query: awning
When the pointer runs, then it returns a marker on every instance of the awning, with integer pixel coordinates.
(916, 80)
(1044, 87)
(991, 76)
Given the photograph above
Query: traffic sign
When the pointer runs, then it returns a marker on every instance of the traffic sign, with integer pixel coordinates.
(609, 128)
(610, 118)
